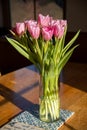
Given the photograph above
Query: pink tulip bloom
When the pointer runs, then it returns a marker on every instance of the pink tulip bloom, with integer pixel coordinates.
(54, 22)
(29, 23)
(33, 28)
(59, 22)
(44, 20)
(47, 33)
(19, 29)
(63, 23)
(58, 31)
(59, 27)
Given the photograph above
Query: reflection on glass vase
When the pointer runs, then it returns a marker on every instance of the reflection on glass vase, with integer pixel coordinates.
(49, 97)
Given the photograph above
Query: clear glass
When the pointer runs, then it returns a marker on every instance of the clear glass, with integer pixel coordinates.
(49, 98)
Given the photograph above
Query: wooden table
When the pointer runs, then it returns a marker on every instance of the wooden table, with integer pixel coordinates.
(19, 90)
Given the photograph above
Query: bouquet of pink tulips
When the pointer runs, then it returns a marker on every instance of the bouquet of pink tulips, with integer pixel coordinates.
(42, 42)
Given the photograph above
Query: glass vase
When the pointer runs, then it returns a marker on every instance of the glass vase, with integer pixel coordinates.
(49, 98)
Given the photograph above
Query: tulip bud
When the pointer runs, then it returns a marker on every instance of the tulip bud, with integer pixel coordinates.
(59, 27)
(44, 20)
(47, 33)
(19, 28)
(33, 28)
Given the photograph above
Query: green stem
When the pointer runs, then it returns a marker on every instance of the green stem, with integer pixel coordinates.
(49, 105)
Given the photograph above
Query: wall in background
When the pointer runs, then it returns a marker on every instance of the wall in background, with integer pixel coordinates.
(5, 19)
(10, 59)
(75, 13)
(1, 21)
(30, 9)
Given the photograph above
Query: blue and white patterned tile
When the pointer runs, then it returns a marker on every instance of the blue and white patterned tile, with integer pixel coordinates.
(27, 117)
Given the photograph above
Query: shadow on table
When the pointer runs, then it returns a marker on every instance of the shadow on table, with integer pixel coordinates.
(16, 99)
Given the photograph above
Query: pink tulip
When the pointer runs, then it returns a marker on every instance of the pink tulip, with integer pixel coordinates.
(58, 31)
(47, 33)
(63, 23)
(19, 29)
(59, 27)
(44, 20)
(29, 23)
(54, 22)
(33, 28)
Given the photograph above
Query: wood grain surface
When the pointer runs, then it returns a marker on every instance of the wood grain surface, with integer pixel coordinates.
(19, 91)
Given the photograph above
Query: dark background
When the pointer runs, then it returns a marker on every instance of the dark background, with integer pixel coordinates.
(75, 13)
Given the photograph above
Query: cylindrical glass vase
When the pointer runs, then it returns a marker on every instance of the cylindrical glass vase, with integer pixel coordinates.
(49, 109)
